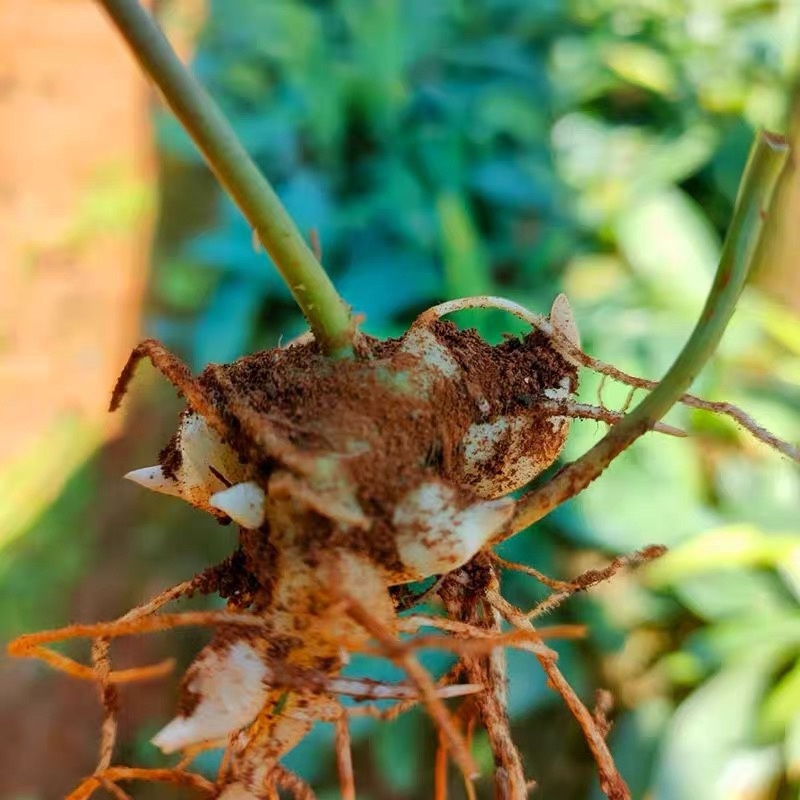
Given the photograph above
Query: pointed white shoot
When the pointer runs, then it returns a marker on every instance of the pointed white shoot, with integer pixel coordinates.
(153, 478)
(244, 503)
(479, 523)
(564, 320)
(229, 682)
(201, 448)
(434, 536)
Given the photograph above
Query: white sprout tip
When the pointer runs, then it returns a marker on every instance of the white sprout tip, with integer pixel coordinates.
(231, 690)
(244, 503)
(174, 735)
(563, 320)
(477, 525)
(153, 478)
(481, 521)
(433, 536)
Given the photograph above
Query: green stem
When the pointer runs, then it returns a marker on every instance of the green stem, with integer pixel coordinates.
(326, 312)
(767, 159)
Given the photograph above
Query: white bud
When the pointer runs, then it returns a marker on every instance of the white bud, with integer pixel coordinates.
(435, 536)
(203, 457)
(230, 683)
(201, 449)
(153, 478)
(244, 503)
(563, 320)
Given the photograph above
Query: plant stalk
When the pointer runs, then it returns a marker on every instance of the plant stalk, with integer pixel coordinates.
(768, 157)
(327, 314)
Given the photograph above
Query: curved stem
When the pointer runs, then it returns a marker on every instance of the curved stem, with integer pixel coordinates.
(327, 314)
(767, 159)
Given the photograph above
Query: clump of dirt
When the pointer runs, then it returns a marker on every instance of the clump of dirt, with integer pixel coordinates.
(236, 579)
(170, 456)
(509, 375)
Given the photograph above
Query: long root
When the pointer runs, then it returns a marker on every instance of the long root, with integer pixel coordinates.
(419, 676)
(113, 775)
(565, 589)
(611, 782)
(344, 759)
(473, 630)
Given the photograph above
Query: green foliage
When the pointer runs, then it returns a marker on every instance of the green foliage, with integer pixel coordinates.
(742, 583)
(30, 563)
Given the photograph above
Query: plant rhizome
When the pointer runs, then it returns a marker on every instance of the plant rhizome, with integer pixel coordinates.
(350, 479)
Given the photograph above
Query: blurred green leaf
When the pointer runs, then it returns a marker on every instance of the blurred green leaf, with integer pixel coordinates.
(767, 638)
(399, 765)
(215, 338)
(640, 516)
(792, 749)
(642, 66)
(412, 279)
(679, 268)
(182, 286)
(706, 732)
(730, 592)
(782, 704)
(509, 185)
(732, 546)
(782, 324)
(465, 268)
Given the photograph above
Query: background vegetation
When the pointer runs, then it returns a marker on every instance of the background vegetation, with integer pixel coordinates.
(446, 148)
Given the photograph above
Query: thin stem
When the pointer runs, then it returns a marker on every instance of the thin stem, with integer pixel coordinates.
(327, 314)
(767, 159)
